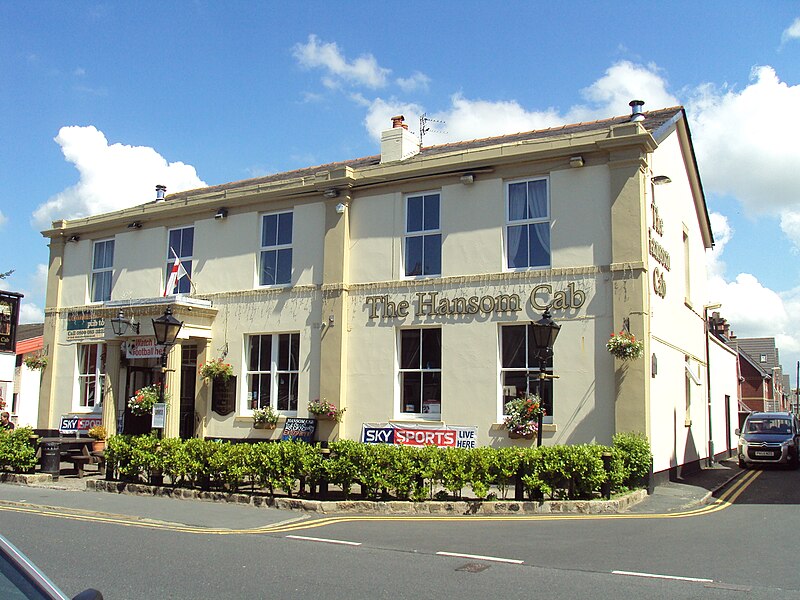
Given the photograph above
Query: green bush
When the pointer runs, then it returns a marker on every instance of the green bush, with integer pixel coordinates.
(408, 473)
(16, 451)
(633, 451)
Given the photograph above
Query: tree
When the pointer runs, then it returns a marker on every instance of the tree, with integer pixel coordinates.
(6, 274)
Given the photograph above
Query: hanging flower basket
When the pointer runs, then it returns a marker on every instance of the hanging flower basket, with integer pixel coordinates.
(216, 369)
(625, 346)
(142, 402)
(35, 362)
(326, 411)
(522, 416)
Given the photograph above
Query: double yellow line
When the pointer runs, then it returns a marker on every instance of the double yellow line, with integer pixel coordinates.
(722, 502)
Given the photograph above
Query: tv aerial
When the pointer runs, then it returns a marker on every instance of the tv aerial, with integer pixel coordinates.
(424, 128)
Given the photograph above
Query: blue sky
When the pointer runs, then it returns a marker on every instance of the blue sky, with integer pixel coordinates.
(100, 101)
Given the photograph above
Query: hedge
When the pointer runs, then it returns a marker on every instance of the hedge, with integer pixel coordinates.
(383, 471)
(17, 453)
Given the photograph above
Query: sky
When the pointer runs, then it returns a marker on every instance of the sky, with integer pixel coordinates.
(101, 101)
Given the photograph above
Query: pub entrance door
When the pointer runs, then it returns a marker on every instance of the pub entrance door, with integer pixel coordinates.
(138, 377)
(188, 380)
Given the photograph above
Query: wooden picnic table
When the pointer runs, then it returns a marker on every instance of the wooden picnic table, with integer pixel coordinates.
(76, 450)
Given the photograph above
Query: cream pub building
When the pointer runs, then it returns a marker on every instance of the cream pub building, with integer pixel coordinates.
(403, 287)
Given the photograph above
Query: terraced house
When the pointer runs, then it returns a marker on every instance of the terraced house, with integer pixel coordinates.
(404, 288)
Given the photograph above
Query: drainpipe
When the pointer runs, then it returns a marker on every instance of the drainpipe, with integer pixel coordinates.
(708, 381)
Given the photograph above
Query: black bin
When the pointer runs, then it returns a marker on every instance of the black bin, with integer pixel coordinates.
(50, 459)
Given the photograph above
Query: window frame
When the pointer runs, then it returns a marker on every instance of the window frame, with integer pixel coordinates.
(184, 282)
(400, 371)
(530, 369)
(278, 248)
(101, 271)
(423, 234)
(274, 372)
(527, 223)
(95, 380)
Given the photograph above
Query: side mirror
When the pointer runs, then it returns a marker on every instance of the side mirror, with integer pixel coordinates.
(737, 431)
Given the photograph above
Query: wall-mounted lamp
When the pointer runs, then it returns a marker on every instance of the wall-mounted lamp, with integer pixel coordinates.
(660, 180)
(135, 225)
(331, 193)
(73, 238)
(467, 179)
(331, 320)
(576, 161)
(222, 213)
(119, 324)
(341, 207)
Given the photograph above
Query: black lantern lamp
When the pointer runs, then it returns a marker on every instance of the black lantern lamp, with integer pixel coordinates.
(119, 324)
(166, 328)
(545, 332)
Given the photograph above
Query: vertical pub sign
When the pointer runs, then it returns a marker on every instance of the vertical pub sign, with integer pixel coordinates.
(9, 317)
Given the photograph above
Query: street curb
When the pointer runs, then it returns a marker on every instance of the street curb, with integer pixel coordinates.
(709, 496)
(395, 507)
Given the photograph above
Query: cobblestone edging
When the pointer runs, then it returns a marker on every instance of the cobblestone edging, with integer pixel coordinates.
(394, 507)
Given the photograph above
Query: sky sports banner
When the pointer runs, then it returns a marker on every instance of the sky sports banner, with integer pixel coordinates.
(444, 436)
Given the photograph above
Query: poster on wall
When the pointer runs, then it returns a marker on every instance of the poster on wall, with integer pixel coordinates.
(143, 348)
(299, 430)
(9, 317)
(443, 436)
(84, 326)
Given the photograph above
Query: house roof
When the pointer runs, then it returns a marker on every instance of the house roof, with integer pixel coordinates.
(29, 330)
(655, 122)
(443, 159)
(758, 347)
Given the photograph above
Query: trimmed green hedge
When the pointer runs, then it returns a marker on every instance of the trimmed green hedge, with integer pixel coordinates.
(17, 453)
(384, 471)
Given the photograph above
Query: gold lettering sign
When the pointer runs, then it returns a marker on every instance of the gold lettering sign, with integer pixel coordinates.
(435, 304)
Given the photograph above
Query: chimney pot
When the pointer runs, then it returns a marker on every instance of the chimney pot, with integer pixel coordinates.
(161, 191)
(398, 122)
(636, 110)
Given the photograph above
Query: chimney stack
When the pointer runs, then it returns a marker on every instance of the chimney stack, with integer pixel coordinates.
(398, 143)
(636, 110)
(161, 191)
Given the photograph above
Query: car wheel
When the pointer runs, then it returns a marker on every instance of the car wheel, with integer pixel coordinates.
(742, 464)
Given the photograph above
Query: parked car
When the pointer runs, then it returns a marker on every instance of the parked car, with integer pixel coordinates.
(20, 578)
(769, 438)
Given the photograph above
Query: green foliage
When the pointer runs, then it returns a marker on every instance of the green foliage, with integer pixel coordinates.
(632, 450)
(16, 451)
(341, 467)
(408, 473)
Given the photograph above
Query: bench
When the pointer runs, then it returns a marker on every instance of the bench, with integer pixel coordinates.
(80, 460)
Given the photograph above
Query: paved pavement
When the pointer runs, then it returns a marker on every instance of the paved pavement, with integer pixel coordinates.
(690, 490)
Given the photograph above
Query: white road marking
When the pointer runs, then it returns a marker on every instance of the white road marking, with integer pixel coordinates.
(656, 576)
(324, 540)
(513, 561)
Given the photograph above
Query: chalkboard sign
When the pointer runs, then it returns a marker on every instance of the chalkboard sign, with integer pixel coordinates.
(223, 395)
(299, 430)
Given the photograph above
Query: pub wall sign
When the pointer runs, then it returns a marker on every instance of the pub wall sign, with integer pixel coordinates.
(429, 304)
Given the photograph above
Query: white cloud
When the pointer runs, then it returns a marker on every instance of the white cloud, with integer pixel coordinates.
(3, 219)
(792, 32)
(466, 118)
(30, 313)
(624, 81)
(364, 70)
(746, 142)
(112, 176)
(417, 81)
(723, 232)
